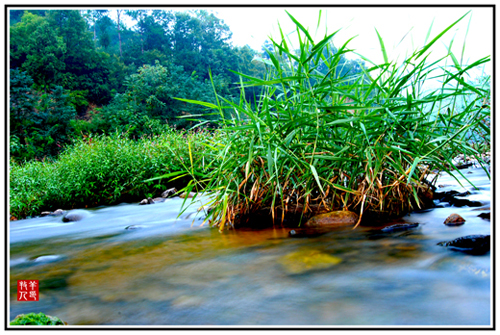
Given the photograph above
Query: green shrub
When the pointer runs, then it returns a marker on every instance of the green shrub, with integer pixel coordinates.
(39, 319)
(106, 170)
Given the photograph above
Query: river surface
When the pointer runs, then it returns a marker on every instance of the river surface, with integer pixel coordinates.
(171, 271)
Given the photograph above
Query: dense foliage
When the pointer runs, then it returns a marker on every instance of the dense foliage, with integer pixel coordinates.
(106, 170)
(115, 77)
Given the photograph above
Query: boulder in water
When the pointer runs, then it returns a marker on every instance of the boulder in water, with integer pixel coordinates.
(76, 215)
(485, 216)
(471, 244)
(454, 220)
(169, 192)
(57, 212)
(188, 195)
(147, 201)
(333, 219)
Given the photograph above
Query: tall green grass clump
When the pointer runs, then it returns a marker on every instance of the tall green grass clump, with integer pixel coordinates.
(316, 141)
(105, 170)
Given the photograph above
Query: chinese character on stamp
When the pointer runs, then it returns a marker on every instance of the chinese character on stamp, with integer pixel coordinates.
(27, 290)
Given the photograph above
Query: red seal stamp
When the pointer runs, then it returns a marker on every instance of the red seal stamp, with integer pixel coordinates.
(27, 290)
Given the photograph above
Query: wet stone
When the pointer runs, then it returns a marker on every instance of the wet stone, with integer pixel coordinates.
(471, 244)
(485, 216)
(333, 219)
(169, 192)
(76, 215)
(57, 212)
(133, 227)
(454, 220)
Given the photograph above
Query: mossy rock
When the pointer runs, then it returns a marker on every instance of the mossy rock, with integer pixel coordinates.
(307, 260)
(39, 319)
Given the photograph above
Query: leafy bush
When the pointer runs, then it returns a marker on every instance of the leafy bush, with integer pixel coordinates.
(105, 170)
(39, 319)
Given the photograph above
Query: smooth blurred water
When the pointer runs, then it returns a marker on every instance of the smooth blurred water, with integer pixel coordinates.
(172, 271)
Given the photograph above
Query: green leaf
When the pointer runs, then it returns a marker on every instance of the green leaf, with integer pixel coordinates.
(382, 47)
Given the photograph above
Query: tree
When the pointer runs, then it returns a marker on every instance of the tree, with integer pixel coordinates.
(118, 13)
(19, 36)
(39, 122)
(44, 51)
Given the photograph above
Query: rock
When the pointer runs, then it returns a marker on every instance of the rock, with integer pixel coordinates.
(471, 244)
(76, 215)
(42, 214)
(454, 220)
(399, 227)
(169, 192)
(133, 227)
(57, 212)
(147, 201)
(333, 219)
(485, 216)
(451, 198)
(307, 260)
(190, 195)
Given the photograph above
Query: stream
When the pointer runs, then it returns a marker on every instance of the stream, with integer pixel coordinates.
(141, 265)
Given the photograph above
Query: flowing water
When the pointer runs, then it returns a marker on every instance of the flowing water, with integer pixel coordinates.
(141, 265)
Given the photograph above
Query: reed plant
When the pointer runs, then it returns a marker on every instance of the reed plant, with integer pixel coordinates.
(316, 141)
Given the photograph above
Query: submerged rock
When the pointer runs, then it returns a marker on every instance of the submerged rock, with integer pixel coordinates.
(399, 227)
(471, 244)
(76, 215)
(333, 219)
(454, 220)
(307, 260)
